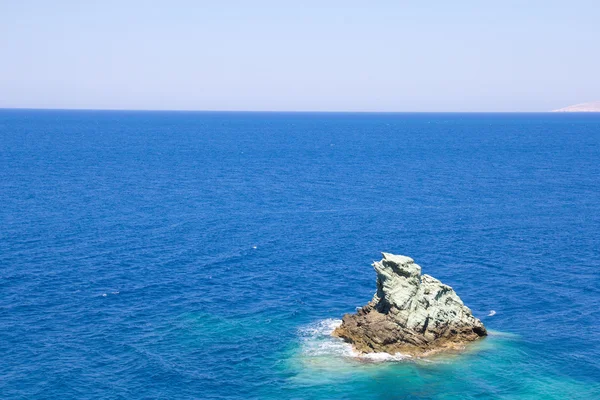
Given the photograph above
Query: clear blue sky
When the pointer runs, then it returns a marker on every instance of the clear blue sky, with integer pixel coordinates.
(502, 55)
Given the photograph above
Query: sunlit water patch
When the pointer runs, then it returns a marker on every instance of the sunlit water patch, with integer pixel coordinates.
(496, 366)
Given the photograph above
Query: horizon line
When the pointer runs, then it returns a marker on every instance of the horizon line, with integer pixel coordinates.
(283, 111)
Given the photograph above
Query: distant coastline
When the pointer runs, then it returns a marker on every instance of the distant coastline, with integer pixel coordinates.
(593, 106)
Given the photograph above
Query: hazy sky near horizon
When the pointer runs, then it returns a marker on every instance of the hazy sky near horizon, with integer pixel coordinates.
(305, 55)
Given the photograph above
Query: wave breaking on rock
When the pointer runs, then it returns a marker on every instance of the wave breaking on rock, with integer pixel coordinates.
(411, 314)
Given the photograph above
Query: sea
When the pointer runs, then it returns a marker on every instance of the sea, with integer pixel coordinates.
(208, 255)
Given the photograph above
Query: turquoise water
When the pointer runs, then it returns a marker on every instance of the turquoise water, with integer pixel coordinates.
(208, 255)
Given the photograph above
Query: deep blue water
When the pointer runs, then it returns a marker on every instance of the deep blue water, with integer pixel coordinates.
(202, 255)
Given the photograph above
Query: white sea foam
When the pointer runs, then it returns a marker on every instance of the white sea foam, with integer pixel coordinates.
(492, 313)
(318, 342)
(381, 357)
(320, 328)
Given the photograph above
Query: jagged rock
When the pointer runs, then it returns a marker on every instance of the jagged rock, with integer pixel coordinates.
(410, 313)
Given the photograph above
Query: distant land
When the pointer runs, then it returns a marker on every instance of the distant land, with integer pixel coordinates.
(593, 106)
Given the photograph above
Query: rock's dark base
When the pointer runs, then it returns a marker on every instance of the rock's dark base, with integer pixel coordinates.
(370, 331)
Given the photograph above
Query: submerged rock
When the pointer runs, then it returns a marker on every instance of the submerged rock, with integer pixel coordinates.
(410, 313)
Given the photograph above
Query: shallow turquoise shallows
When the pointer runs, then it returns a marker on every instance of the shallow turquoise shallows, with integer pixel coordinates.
(181, 255)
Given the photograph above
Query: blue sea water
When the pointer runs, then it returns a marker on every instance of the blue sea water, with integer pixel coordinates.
(187, 255)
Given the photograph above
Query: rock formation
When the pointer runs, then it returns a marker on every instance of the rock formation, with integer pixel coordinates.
(410, 313)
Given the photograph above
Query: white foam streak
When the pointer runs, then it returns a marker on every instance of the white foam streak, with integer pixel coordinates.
(318, 342)
(382, 357)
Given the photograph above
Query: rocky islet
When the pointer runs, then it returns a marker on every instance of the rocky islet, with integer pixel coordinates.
(411, 313)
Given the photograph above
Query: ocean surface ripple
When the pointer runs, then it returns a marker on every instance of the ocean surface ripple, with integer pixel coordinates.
(207, 255)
